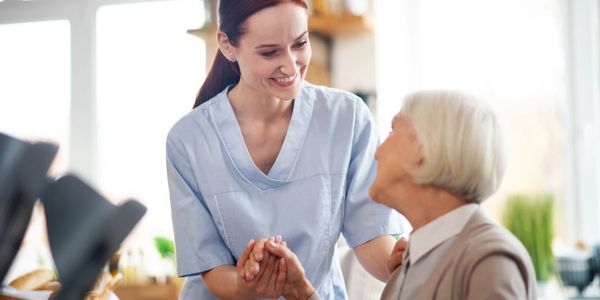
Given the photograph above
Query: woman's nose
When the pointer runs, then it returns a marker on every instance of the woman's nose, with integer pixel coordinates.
(288, 64)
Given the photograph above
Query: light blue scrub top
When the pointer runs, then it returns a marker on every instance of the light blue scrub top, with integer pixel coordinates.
(316, 189)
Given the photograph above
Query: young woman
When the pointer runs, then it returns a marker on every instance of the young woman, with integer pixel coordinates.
(265, 153)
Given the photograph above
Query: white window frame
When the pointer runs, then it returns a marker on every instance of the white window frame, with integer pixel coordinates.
(582, 205)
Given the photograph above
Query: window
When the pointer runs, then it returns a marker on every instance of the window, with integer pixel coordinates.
(137, 71)
(149, 71)
(34, 105)
(510, 52)
(35, 78)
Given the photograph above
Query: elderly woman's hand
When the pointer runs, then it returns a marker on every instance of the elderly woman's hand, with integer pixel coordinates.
(268, 281)
(395, 259)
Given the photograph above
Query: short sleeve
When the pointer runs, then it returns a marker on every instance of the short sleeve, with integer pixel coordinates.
(199, 246)
(496, 277)
(365, 219)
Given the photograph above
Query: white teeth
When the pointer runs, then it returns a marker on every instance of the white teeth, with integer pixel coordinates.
(284, 80)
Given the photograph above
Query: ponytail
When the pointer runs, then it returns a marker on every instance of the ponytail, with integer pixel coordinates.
(221, 74)
(232, 15)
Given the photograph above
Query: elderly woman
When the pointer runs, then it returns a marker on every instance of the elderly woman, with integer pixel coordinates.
(443, 157)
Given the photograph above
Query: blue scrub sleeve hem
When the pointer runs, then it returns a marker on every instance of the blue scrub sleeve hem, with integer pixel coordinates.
(186, 269)
(369, 234)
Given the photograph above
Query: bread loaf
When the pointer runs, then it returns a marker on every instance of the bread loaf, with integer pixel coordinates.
(33, 280)
(50, 286)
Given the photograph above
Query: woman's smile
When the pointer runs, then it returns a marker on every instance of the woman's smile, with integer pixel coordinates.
(285, 82)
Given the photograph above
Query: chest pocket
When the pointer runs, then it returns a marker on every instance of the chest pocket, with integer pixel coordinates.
(299, 211)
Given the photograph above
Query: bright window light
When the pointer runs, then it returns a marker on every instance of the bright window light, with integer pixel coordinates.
(510, 52)
(35, 60)
(149, 71)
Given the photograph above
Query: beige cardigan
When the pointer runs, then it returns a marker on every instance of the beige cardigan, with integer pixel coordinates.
(484, 262)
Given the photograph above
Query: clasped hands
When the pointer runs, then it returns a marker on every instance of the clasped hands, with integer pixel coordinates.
(268, 268)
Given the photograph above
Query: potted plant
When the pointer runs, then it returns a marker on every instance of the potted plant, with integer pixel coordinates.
(165, 247)
(529, 218)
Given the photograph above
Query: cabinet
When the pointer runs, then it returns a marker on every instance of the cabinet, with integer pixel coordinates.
(330, 26)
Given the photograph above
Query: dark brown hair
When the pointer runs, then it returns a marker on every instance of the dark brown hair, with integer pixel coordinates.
(232, 17)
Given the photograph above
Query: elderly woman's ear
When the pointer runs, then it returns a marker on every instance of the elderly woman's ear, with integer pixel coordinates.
(418, 156)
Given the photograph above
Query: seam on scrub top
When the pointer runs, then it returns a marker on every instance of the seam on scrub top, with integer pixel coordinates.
(214, 124)
(312, 113)
(222, 223)
(295, 181)
(306, 178)
(330, 215)
(345, 183)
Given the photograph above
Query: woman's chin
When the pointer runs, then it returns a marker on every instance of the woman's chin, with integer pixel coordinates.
(373, 194)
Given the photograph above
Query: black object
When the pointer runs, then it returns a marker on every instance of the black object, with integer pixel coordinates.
(23, 168)
(84, 231)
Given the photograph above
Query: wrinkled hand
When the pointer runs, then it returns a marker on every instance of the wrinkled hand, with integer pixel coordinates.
(296, 286)
(268, 281)
(395, 259)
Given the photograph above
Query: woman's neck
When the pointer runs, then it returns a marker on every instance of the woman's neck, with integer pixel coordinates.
(429, 204)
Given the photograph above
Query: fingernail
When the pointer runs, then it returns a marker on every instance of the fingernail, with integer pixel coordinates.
(272, 244)
(284, 244)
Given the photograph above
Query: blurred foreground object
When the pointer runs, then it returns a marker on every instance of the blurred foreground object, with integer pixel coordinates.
(104, 287)
(23, 168)
(84, 228)
(42, 284)
(35, 280)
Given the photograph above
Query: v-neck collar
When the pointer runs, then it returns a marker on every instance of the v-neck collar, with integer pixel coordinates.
(229, 130)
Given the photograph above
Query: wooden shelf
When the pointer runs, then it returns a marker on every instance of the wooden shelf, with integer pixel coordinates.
(154, 291)
(326, 25)
(206, 32)
(333, 25)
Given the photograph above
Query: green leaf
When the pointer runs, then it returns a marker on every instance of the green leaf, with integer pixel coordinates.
(165, 246)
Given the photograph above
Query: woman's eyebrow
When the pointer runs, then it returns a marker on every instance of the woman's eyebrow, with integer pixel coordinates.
(275, 45)
(302, 35)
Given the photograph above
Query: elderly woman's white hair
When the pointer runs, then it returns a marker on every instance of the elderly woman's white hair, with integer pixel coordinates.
(461, 140)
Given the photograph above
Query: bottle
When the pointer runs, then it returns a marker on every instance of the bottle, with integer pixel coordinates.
(113, 264)
(129, 277)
